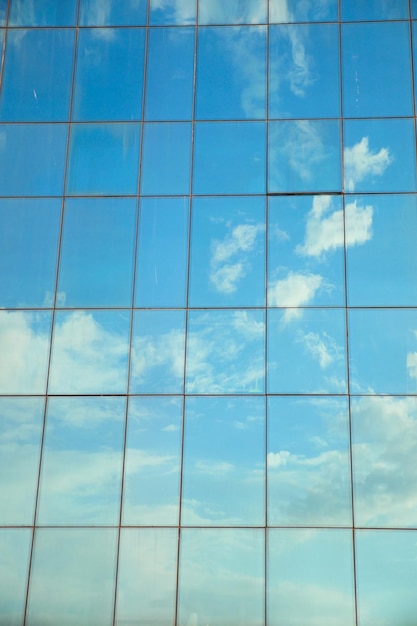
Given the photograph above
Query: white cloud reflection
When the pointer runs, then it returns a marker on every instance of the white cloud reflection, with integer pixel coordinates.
(360, 162)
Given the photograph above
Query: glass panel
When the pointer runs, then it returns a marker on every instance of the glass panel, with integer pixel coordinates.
(14, 561)
(386, 566)
(231, 73)
(24, 341)
(306, 351)
(376, 70)
(109, 77)
(29, 231)
(37, 75)
(89, 352)
(166, 159)
(384, 453)
(413, 5)
(170, 74)
(232, 12)
(113, 12)
(382, 267)
(32, 159)
(42, 13)
(374, 10)
(304, 71)
(305, 251)
(380, 155)
(229, 158)
(308, 462)
(3, 11)
(310, 577)
(161, 271)
(147, 576)
(97, 251)
(152, 466)
(158, 352)
(94, 151)
(72, 580)
(21, 421)
(303, 11)
(228, 252)
(225, 352)
(383, 351)
(304, 156)
(228, 566)
(82, 461)
(172, 11)
(224, 462)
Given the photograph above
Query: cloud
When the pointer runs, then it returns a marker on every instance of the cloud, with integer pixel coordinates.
(295, 290)
(183, 11)
(278, 459)
(303, 147)
(321, 347)
(412, 364)
(234, 11)
(163, 352)
(360, 162)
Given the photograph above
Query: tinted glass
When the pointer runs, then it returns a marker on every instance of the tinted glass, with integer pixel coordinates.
(42, 13)
(303, 11)
(232, 12)
(14, 563)
(374, 10)
(113, 12)
(172, 11)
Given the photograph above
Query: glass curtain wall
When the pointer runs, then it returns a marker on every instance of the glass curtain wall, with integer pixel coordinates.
(208, 313)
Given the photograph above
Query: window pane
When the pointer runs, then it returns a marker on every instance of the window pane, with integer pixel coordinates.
(232, 12)
(3, 10)
(15, 550)
(374, 10)
(172, 11)
(113, 12)
(303, 11)
(42, 13)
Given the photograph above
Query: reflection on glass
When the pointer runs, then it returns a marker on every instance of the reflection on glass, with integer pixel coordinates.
(158, 352)
(229, 158)
(224, 462)
(24, 341)
(304, 156)
(221, 578)
(170, 74)
(109, 76)
(374, 10)
(232, 12)
(95, 149)
(231, 73)
(72, 579)
(310, 577)
(152, 465)
(42, 13)
(225, 352)
(161, 270)
(14, 562)
(304, 71)
(172, 12)
(308, 462)
(303, 11)
(113, 13)
(89, 352)
(305, 251)
(96, 261)
(306, 351)
(227, 252)
(32, 158)
(383, 351)
(82, 461)
(20, 440)
(386, 566)
(146, 576)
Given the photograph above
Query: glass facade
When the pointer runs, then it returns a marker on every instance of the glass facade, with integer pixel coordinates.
(208, 313)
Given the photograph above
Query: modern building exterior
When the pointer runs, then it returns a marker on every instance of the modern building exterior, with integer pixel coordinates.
(208, 313)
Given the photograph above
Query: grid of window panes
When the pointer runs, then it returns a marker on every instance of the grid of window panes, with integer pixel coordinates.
(208, 313)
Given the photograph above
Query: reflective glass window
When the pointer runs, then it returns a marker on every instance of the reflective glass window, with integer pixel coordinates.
(225, 351)
(109, 76)
(374, 10)
(29, 231)
(166, 159)
(3, 11)
(413, 5)
(97, 248)
(306, 351)
(305, 251)
(172, 12)
(113, 13)
(170, 74)
(20, 446)
(379, 155)
(303, 11)
(152, 463)
(103, 159)
(382, 255)
(147, 576)
(304, 155)
(414, 45)
(227, 252)
(310, 577)
(158, 352)
(304, 71)
(308, 462)
(161, 271)
(42, 13)
(229, 157)
(89, 352)
(232, 12)
(24, 341)
(82, 461)
(231, 73)
(73, 577)
(37, 75)
(226, 565)
(32, 158)
(14, 562)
